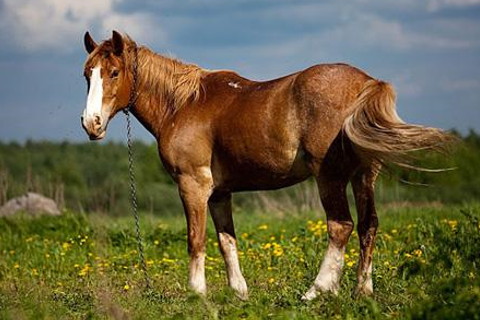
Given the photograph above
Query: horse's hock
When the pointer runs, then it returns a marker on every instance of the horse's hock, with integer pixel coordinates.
(32, 204)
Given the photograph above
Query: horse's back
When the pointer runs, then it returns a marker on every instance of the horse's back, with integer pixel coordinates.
(264, 135)
(266, 130)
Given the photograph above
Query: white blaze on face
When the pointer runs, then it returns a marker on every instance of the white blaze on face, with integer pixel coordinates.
(95, 95)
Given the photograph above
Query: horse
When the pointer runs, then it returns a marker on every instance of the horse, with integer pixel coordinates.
(218, 133)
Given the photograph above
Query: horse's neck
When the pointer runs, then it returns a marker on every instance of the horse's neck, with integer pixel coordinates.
(151, 106)
(150, 113)
(157, 81)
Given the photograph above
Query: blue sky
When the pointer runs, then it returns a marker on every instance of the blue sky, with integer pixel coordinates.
(429, 50)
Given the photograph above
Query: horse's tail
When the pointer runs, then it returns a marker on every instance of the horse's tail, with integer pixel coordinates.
(379, 134)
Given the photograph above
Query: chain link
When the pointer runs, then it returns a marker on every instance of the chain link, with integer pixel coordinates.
(133, 196)
(131, 171)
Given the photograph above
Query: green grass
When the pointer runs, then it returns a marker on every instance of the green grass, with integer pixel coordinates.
(86, 267)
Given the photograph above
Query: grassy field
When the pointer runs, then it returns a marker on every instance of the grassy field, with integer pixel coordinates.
(86, 267)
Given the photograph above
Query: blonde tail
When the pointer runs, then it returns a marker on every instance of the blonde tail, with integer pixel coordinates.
(380, 135)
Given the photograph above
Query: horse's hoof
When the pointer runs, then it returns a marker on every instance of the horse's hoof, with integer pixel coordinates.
(310, 294)
(241, 295)
(364, 291)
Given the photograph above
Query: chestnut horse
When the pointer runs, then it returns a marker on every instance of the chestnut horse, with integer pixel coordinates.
(219, 133)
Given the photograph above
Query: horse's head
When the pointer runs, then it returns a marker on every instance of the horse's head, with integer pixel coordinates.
(109, 82)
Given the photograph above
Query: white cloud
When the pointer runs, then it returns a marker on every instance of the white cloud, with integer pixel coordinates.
(140, 26)
(435, 5)
(367, 30)
(52, 24)
(454, 85)
(407, 84)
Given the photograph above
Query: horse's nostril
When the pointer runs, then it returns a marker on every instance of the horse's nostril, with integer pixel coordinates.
(98, 120)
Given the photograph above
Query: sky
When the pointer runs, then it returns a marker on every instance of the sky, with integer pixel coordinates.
(429, 50)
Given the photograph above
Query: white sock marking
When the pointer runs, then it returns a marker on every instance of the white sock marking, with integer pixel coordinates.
(328, 279)
(197, 274)
(235, 276)
(365, 282)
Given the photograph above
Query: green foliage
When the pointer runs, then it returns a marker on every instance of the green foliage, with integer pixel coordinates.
(87, 176)
(459, 184)
(90, 177)
(79, 266)
(457, 296)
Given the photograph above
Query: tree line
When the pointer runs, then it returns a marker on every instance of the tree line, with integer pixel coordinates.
(94, 176)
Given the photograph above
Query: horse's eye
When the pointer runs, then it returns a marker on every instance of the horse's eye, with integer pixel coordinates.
(114, 74)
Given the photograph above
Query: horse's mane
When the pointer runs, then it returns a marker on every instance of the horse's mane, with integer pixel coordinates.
(172, 80)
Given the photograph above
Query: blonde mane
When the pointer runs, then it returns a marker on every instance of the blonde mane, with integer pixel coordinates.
(173, 81)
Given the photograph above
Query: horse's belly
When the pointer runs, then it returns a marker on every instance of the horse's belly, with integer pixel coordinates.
(270, 172)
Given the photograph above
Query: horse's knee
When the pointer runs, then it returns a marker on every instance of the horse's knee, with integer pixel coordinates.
(339, 232)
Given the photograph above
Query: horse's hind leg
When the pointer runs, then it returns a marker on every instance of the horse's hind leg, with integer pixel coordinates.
(363, 183)
(221, 210)
(340, 226)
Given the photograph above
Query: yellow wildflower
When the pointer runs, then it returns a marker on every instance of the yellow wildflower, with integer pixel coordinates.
(350, 263)
(453, 224)
(278, 252)
(263, 227)
(85, 270)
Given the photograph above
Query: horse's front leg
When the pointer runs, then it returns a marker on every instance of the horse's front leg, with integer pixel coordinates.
(220, 205)
(195, 189)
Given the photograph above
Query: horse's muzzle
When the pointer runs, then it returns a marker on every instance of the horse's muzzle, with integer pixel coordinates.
(94, 126)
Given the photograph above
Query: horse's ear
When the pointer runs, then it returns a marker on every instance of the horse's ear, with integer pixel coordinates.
(117, 41)
(90, 45)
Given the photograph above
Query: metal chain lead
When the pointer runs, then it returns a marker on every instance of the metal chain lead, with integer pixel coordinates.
(131, 171)
(133, 196)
